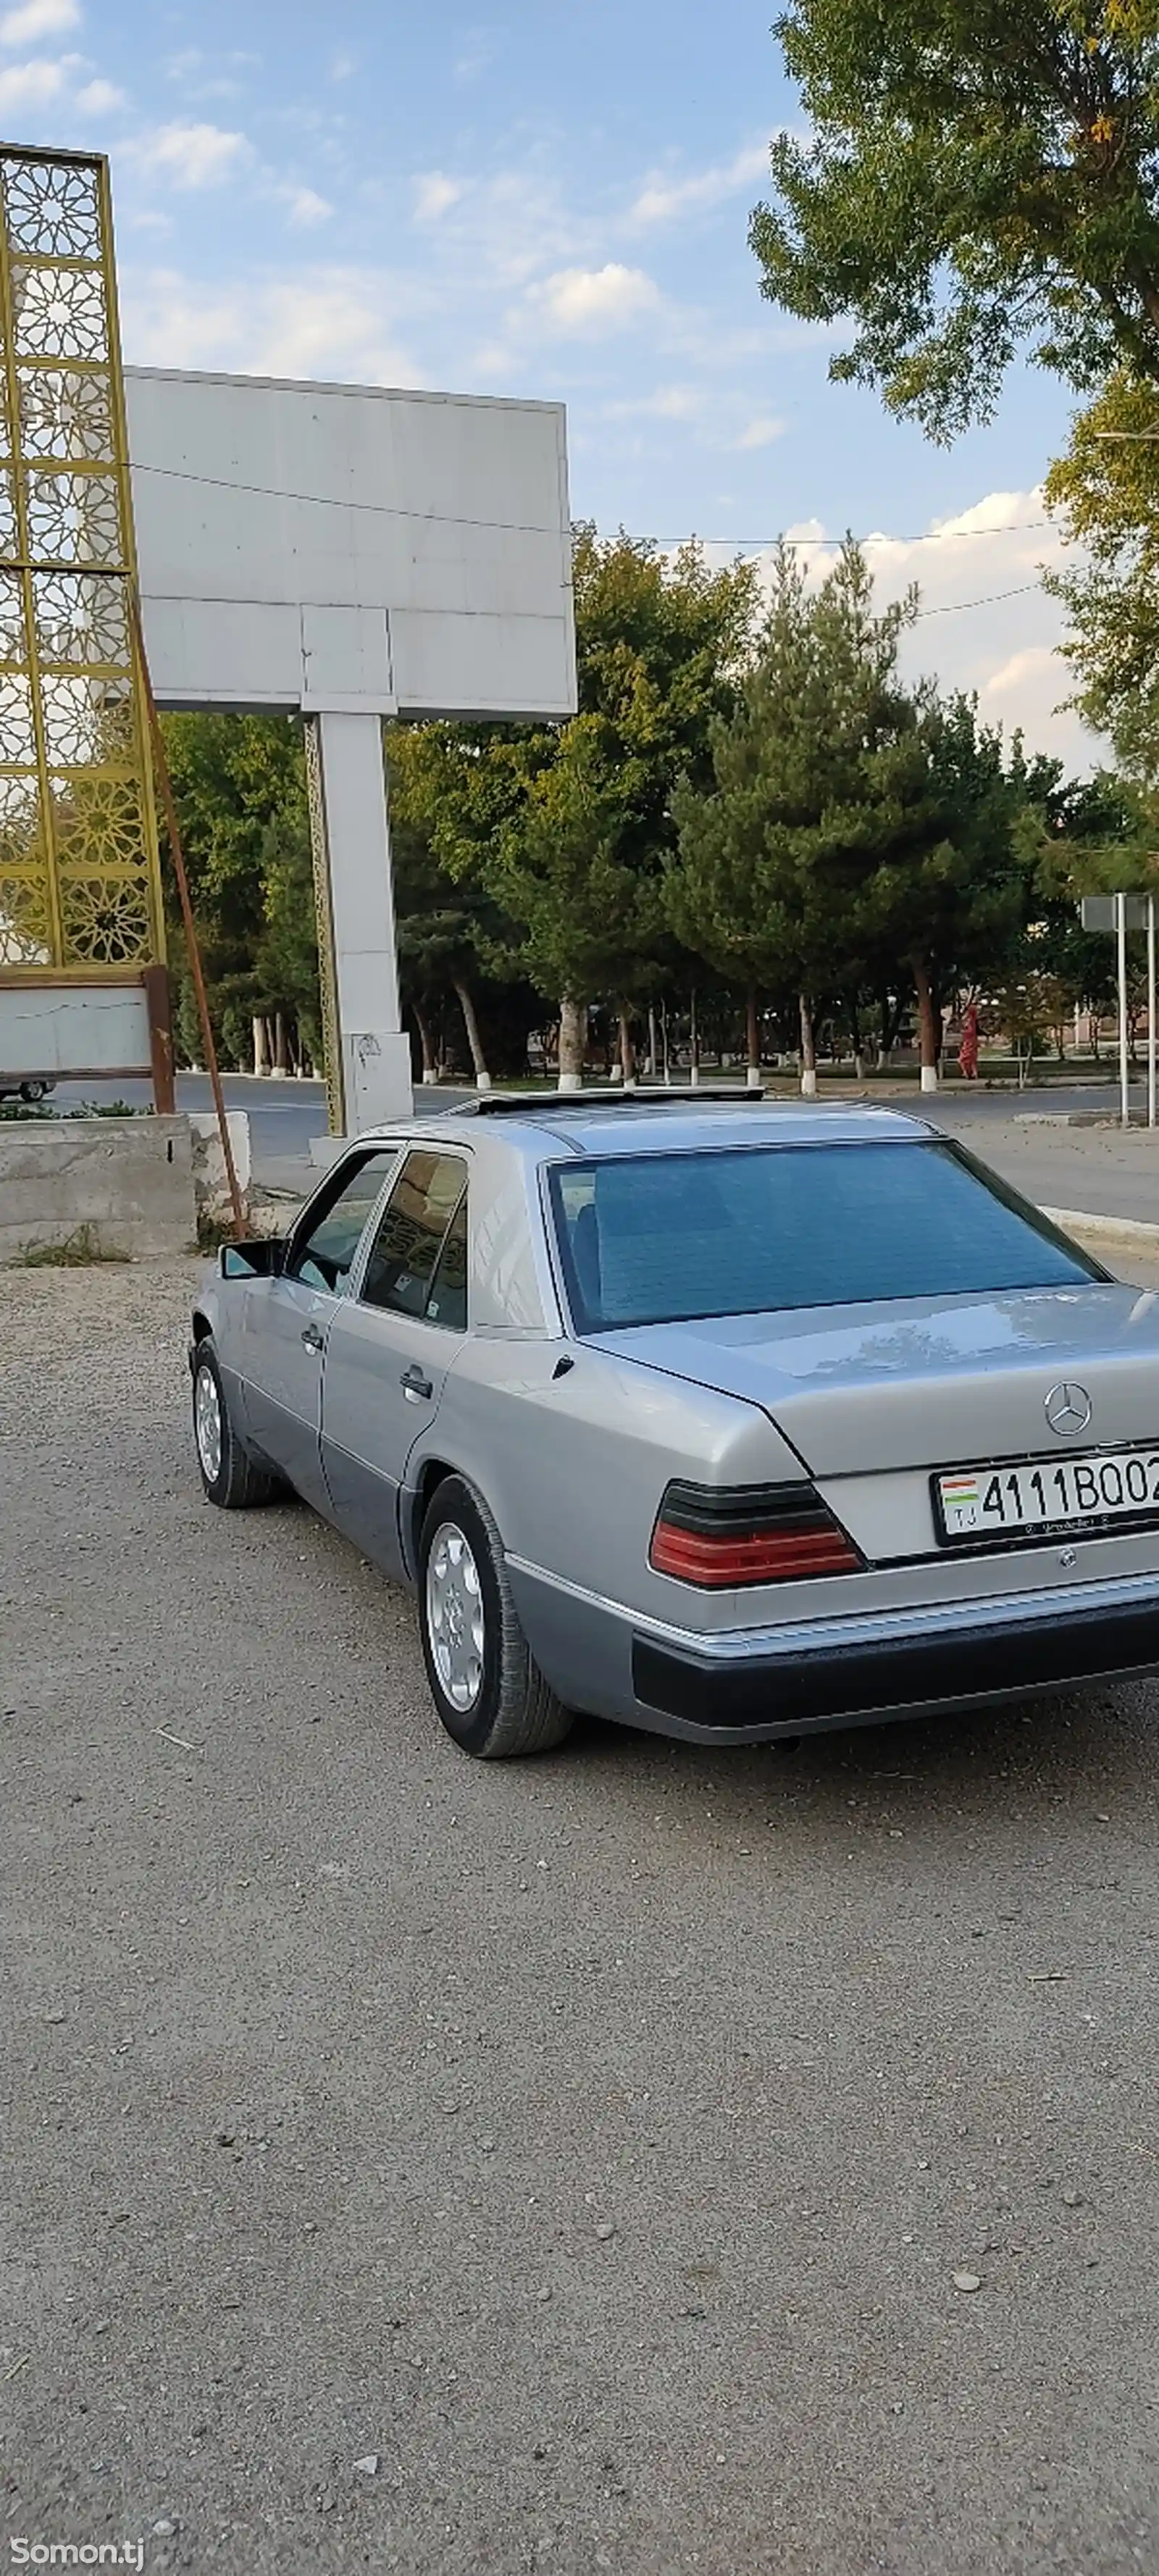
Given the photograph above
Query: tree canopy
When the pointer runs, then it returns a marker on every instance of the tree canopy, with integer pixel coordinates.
(1105, 493)
(567, 832)
(851, 825)
(978, 177)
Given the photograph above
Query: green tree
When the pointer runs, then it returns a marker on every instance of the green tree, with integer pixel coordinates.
(286, 951)
(1085, 836)
(949, 897)
(239, 786)
(816, 770)
(567, 832)
(977, 177)
(451, 938)
(1105, 493)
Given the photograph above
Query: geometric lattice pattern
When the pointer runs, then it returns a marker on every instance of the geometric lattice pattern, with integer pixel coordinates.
(80, 893)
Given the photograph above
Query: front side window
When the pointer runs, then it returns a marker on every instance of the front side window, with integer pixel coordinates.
(418, 1260)
(321, 1255)
(668, 1238)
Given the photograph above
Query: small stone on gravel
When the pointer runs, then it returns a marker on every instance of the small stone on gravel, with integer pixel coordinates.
(367, 2466)
(605, 2227)
(967, 2281)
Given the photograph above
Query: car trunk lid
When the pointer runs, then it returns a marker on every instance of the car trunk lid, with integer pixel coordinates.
(929, 1380)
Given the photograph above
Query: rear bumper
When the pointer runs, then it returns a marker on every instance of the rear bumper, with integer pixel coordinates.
(903, 1665)
(744, 1685)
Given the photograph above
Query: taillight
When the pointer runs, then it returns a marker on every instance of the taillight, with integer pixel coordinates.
(717, 1536)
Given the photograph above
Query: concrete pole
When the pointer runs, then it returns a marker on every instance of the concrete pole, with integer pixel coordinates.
(1150, 1010)
(373, 1055)
(1124, 1069)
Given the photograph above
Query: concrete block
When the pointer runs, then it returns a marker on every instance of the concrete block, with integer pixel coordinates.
(129, 1180)
(210, 1180)
(325, 1150)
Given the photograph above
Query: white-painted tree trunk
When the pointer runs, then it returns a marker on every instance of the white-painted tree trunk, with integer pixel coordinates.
(573, 1040)
(753, 1029)
(808, 1050)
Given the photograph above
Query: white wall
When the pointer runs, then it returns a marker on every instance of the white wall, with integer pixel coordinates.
(350, 549)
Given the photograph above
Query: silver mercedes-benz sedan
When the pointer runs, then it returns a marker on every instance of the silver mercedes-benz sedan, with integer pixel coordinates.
(722, 1418)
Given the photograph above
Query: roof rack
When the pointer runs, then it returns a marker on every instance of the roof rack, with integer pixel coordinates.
(517, 1104)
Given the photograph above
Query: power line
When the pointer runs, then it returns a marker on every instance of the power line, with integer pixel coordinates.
(878, 537)
(947, 606)
(334, 501)
(532, 527)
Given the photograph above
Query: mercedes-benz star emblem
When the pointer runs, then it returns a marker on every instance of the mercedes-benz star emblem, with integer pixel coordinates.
(1068, 1408)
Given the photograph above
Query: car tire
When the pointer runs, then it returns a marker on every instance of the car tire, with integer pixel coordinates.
(33, 1091)
(486, 1685)
(232, 1479)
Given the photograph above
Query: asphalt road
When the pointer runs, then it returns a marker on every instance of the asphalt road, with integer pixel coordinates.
(591, 2145)
(286, 1114)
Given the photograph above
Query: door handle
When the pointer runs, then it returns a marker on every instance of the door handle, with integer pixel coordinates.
(312, 1338)
(416, 1388)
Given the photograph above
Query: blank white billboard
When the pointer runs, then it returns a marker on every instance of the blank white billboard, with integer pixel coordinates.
(346, 549)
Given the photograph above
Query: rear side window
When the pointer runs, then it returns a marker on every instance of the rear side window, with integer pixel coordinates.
(665, 1238)
(413, 1268)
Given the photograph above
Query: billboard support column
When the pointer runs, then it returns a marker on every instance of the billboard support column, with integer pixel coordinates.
(367, 1056)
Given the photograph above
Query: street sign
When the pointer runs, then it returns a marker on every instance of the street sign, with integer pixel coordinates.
(1098, 911)
(1120, 913)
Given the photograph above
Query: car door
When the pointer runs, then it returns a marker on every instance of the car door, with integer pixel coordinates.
(287, 1319)
(391, 1345)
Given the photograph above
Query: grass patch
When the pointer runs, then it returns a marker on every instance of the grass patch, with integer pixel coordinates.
(80, 1250)
(17, 1110)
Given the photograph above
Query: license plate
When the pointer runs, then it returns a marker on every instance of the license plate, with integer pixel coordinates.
(1048, 1493)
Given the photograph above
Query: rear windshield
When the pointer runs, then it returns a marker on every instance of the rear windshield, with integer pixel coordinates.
(664, 1238)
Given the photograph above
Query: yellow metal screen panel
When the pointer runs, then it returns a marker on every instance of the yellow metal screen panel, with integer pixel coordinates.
(80, 890)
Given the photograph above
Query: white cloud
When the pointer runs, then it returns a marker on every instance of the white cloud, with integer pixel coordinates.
(435, 194)
(475, 56)
(39, 18)
(760, 432)
(986, 624)
(325, 322)
(588, 302)
(304, 206)
(194, 156)
(32, 85)
(100, 97)
(664, 197)
(204, 76)
(669, 402)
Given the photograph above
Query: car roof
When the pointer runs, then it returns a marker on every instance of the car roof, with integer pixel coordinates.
(545, 1129)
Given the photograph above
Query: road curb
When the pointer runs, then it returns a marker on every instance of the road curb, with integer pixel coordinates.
(1117, 1229)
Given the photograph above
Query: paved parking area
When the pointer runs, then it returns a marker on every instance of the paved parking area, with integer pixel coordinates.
(590, 2146)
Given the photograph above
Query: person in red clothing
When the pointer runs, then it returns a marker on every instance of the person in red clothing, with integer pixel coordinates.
(968, 1048)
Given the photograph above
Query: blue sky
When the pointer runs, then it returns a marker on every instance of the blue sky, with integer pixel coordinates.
(536, 199)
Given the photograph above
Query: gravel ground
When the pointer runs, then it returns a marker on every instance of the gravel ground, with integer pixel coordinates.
(591, 2145)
